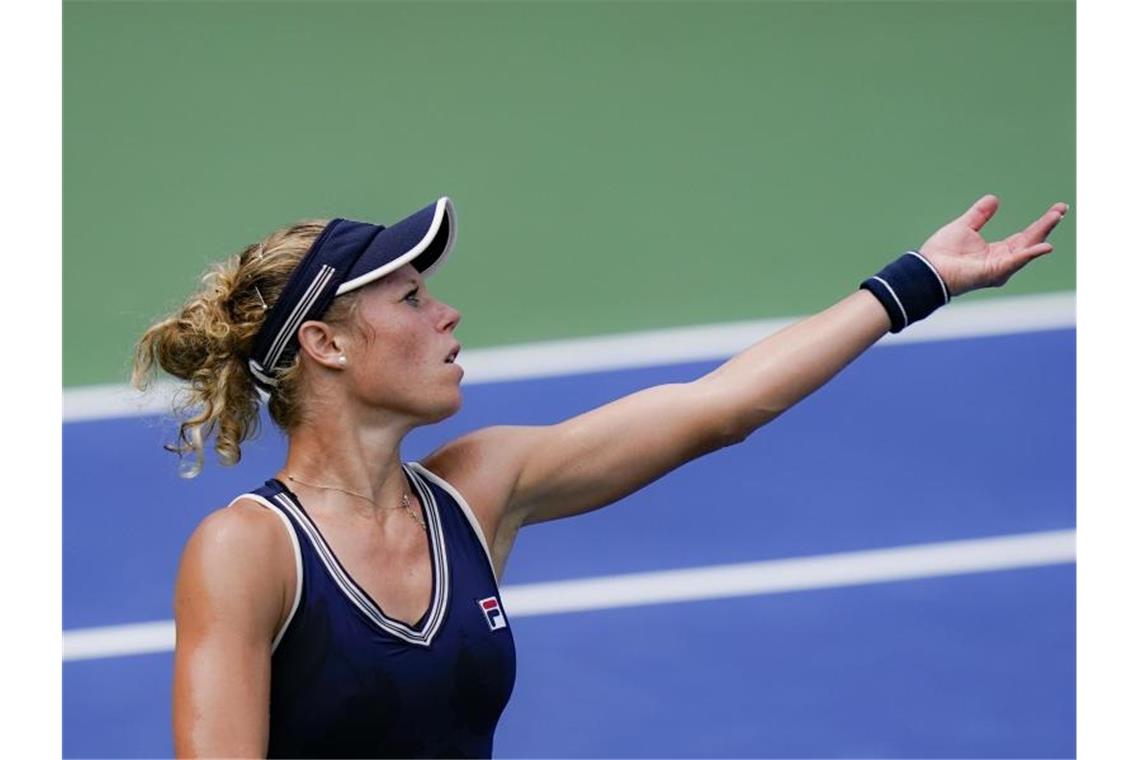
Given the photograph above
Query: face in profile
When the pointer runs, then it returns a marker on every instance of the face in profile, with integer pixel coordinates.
(399, 354)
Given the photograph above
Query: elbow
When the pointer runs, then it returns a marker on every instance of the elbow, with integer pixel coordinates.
(733, 420)
(736, 425)
(742, 425)
(733, 438)
(744, 420)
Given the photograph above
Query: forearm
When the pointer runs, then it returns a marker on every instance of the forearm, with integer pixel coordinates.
(761, 382)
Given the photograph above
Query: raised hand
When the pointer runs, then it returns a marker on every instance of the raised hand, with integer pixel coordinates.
(967, 262)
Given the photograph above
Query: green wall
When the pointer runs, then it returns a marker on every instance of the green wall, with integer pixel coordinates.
(614, 166)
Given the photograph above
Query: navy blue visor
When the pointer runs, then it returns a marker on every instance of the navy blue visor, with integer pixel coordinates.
(347, 255)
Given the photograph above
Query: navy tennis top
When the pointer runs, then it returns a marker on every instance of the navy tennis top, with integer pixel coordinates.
(348, 681)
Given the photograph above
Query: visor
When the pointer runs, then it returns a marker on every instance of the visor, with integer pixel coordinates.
(347, 255)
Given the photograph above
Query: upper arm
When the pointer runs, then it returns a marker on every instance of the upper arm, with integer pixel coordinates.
(229, 600)
(602, 455)
(530, 474)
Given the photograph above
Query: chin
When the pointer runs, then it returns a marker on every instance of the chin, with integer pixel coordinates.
(445, 410)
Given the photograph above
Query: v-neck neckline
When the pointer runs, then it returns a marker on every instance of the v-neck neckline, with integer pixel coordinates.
(428, 624)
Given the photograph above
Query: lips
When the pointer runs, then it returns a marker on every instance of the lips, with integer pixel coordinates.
(450, 359)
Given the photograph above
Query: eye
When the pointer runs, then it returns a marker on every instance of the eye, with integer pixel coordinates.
(413, 297)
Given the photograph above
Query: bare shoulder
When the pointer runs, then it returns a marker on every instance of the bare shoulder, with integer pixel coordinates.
(484, 466)
(243, 527)
(238, 561)
(229, 603)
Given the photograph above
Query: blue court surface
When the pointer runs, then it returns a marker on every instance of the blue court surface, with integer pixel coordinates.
(974, 664)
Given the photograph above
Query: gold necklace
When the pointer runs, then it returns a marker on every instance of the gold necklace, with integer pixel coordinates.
(405, 502)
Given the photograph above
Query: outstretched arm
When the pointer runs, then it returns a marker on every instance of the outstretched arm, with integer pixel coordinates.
(771, 376)
(531, 474)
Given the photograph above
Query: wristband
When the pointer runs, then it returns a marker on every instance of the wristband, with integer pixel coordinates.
(910, 289)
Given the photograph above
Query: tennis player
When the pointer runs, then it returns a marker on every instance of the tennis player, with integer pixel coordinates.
(349, 607)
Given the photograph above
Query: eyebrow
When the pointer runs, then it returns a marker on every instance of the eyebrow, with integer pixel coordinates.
(410, 283)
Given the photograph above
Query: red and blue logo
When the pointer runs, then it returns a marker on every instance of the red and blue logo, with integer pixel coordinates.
(493, 613)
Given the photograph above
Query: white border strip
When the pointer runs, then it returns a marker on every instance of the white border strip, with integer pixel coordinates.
(443, 208)
(463, 505)
(692, 584)
(678, 345)
(898, 303)
(298, 563)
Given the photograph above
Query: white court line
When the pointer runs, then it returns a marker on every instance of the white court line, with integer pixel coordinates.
(689, 585)
(678, 345)
(118, 640)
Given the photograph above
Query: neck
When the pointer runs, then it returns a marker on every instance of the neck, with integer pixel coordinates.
(364, 461)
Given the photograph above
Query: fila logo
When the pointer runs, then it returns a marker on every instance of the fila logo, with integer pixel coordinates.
(491, 611)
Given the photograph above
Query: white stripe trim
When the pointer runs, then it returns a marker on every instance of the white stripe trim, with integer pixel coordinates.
(887, 285)
(650, 348)
(778, 576)
(945, 292)
(439, 557)
(300, 311)
(297, 564)
(325, 555)
(358, 596)
(470, 513)
(254, 368)
(443, 208)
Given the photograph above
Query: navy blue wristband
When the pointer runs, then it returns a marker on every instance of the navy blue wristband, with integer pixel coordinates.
(910, 289)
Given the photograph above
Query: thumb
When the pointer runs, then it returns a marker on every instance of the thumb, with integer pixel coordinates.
(981, 212)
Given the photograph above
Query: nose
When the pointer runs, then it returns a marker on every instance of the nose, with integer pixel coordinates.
(449, 318)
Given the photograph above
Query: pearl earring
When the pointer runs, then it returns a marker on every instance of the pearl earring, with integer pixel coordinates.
(342, 359)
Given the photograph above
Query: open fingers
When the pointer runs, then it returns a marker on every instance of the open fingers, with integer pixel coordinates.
(1040, 229)
(1023, 257)
(981, 212)
(1034, 251)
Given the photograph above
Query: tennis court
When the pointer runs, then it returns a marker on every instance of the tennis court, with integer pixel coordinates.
(966, 660)
(830, 587)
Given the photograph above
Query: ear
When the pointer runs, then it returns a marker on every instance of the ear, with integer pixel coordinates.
(322, 343)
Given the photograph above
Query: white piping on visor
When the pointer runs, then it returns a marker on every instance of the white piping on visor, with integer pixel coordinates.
(443, 207)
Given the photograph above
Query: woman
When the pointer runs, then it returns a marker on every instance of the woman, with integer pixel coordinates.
(349, 607)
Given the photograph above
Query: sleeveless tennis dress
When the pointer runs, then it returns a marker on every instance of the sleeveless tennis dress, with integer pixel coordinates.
(347, 681)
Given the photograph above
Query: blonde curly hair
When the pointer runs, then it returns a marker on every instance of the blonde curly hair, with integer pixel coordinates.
(209, 340)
